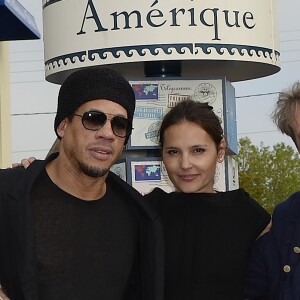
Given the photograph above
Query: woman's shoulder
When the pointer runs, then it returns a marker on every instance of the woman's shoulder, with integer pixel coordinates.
(249, 205)
(158, 197)
(157, 194)
(239, 196)
(236, 197)
(235, 193)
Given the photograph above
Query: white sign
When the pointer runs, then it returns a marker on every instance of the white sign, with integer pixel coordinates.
(145, 174)
(232, 38)
(155, 96)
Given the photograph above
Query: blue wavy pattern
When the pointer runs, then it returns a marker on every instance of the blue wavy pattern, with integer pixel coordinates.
(140, 49)
(168, 49)
(232, 48)
(50, 2)
(65, 59)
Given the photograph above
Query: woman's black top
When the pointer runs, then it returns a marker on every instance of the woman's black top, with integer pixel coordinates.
(207, 240)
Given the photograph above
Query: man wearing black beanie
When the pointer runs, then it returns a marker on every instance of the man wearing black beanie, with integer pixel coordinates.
(69, 228)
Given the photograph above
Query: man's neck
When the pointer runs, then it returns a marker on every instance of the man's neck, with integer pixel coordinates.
(75, 182)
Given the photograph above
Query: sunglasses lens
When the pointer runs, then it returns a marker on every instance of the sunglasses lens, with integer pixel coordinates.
(119, 126)
(93, 120)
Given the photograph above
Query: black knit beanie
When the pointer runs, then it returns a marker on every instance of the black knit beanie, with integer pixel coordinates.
(93, 83)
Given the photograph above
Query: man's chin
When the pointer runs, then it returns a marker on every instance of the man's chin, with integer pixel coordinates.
(93, 171)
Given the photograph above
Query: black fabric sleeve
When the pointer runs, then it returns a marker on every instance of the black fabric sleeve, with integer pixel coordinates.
(261, 218)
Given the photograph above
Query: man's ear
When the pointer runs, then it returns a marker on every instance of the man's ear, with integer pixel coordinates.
(62, 127)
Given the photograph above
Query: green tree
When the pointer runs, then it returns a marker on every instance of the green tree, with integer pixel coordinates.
(269, 175)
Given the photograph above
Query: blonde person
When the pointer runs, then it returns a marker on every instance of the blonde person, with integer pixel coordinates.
(274, 267)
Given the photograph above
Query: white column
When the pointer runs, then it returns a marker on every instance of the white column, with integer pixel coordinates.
(5, 114)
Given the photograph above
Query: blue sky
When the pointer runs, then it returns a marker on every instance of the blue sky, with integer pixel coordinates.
(33, 100)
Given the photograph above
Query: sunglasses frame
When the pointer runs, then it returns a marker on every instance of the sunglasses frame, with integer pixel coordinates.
(98, 112)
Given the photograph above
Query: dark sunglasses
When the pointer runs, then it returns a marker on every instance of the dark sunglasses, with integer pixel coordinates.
(94, 120)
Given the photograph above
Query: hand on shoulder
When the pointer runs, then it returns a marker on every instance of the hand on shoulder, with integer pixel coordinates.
(2, 295)
(267, 229)
(25, 163)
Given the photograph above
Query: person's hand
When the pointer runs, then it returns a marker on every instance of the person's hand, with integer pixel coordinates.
(267, 229)
(25, 162)
(2, 295)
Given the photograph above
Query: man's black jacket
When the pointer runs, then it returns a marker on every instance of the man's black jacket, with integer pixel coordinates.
(18, 274)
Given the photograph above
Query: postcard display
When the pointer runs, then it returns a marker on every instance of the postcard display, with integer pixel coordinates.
(155, 96)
